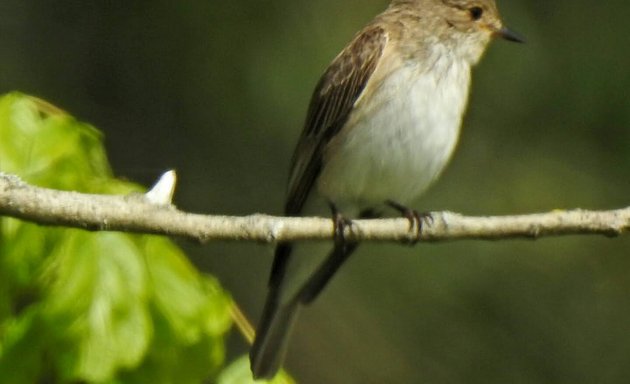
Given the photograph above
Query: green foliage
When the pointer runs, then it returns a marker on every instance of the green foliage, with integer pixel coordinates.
(105, 307)
(239, 373)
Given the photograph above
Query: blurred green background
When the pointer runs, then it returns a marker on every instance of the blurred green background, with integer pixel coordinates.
(218, 90)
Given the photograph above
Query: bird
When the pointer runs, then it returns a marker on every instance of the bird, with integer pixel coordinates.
(382, 124)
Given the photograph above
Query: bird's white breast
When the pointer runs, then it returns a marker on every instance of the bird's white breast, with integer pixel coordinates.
(399, 137)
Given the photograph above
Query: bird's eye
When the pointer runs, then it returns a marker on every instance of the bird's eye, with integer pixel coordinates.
(476, 13)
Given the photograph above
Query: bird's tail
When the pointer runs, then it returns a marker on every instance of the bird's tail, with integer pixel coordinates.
(272, 340)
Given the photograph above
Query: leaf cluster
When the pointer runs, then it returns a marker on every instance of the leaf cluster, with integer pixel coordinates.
(106, 307)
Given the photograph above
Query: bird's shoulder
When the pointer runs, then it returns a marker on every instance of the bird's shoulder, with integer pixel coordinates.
(357, 60)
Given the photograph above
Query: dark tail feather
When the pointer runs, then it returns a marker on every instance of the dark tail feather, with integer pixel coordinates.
(326, 271)
(272, 339)
(335, 260)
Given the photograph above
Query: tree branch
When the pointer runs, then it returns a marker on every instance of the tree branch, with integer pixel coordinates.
(139, 214)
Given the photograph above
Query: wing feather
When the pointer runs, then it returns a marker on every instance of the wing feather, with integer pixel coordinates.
(331, 104)
(332, 101)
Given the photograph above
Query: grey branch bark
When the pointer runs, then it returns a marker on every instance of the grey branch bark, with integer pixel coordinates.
(137, 214)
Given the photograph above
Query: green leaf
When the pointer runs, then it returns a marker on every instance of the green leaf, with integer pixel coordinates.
(94, 307)
(48, 147)
(238, 372)
(97, 303)
(22, 347)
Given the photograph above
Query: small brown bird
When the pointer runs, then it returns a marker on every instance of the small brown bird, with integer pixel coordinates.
(382, 124)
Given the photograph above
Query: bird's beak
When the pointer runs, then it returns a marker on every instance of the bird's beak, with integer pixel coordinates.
(509, 35)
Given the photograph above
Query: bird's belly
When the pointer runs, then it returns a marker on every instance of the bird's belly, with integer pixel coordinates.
(396, 142)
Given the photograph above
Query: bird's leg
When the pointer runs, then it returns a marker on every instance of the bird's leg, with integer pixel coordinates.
(416, 219)
(333, 262)
(340, 223)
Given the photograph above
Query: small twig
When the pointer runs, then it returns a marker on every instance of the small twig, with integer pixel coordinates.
(135, 213)
(242, 323)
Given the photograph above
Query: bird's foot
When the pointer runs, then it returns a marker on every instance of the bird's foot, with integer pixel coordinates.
(417, 220)
(340, 223)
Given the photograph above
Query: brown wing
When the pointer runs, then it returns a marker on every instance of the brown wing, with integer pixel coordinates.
(331, 104)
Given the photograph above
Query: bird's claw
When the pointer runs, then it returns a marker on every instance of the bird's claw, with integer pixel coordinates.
(417, 220)
(340, 222)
